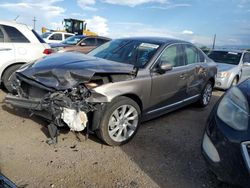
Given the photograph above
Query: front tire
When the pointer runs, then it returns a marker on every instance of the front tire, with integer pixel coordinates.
(120, 121)
(206, 94)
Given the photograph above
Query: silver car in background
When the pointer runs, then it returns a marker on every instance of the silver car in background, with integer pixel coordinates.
(233, 67)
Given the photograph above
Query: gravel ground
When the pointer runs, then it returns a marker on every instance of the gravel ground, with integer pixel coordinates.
(164, 153)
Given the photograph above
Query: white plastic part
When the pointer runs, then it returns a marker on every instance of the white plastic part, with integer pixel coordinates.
(75, 120)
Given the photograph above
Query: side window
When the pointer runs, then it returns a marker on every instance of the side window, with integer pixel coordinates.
(100, 41)
(89, 41)
(15, 35)
(246, 57)
(56, 36)
(191, 54)
(1, 36)
(171, 55)
(67, 36)
(201, 56)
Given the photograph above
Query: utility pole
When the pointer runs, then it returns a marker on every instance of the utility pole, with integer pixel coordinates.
(214, 41)
(34, 23)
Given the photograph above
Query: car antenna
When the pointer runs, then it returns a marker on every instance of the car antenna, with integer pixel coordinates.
(17, 17)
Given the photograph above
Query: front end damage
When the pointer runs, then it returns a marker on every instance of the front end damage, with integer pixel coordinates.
(67, 107)
(62, 97)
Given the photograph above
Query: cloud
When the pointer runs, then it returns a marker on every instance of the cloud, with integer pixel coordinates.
(170, 6)
(187, 32)
(45, 11)
(99, 25)
(87, 4)
(133, 3)
(130, 29)
(45, 8)
(242, 3)
(201, 40)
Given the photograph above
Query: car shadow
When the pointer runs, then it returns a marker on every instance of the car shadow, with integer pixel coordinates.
(168, 149)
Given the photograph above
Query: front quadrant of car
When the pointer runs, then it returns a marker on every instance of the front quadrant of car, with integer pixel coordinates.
(225, 144)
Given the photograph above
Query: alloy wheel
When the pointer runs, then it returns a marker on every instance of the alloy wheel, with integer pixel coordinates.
(207, 94)
(123, 123)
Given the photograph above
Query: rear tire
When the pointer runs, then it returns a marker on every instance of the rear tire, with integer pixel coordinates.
(120, 121)
(7, 76)
(206, 95)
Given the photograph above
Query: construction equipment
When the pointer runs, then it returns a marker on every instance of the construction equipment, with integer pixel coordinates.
(73, 26)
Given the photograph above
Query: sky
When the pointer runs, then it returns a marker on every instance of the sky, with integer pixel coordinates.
(193, 20)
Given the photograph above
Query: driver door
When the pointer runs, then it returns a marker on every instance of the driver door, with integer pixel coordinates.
(169, 88)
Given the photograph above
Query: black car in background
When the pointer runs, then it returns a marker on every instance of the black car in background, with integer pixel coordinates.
(226, 141)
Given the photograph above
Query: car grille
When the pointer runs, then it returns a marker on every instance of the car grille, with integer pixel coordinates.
(245, 147)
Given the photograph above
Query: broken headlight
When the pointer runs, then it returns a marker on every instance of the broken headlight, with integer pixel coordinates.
(91, 85)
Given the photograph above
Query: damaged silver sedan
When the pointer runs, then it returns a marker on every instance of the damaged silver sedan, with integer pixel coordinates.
(115, 87)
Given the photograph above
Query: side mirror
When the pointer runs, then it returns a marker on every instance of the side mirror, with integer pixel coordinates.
(164, 67)
(246, 64)
(82, 44)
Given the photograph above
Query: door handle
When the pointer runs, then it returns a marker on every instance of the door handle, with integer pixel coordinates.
(5, 49)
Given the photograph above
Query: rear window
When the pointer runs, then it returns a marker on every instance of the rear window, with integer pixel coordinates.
(89, 41)
(15, 35)
(56, 36)
(38, 36)
(67, 36)
(101, 41)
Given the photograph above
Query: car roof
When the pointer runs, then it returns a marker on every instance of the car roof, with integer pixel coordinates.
(62, 32)
(162, 40)
(14, 24)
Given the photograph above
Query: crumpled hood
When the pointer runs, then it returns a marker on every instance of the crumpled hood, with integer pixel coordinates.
(66, 70)
(224, 67)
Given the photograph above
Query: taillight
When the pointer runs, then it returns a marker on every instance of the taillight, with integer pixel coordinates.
(48, 51)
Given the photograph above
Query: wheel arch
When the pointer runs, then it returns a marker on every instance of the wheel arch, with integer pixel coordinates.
(10, 65)
(212, 80)
(96, 116)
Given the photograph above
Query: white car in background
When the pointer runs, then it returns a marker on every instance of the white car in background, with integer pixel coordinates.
(233, 67)
(55, 37)
(19, 44)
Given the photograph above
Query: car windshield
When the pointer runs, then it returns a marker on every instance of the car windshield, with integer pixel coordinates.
(73, 40)
(135, 52)
(225, 57)
(45, 35)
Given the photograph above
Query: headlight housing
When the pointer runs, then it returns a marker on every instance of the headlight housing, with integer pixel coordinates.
(223, 74)
(91, 85)
(234, 110)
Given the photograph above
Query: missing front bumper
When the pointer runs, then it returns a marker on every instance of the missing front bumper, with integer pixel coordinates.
(31, 104)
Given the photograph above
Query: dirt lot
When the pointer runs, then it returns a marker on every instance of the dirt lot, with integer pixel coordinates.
(164, 153)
